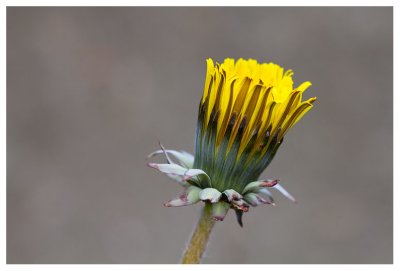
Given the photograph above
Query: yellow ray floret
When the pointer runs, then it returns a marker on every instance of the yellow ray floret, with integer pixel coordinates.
(262, 94)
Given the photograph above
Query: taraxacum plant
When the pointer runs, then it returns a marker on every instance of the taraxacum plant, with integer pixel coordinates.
(244, 114)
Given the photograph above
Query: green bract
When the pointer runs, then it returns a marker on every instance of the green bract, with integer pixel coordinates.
(244, 114)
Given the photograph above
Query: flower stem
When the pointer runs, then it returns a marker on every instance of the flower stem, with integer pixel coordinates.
(199, 239)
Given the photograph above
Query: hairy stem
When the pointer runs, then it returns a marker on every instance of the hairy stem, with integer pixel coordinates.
(199, 239)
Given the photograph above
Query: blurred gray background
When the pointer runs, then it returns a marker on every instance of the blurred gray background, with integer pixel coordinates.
(91, 91)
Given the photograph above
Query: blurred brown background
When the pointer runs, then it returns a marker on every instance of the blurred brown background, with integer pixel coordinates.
(90, 91)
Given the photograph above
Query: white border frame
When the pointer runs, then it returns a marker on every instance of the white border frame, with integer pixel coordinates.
(396, 128)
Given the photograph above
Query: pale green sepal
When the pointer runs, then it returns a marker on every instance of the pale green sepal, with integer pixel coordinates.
(184, 158)
(197, 175)
(169, 168)
(210, 194)
(232, 195)
(178, 179)
(219, 210)
(240, 205)
(194, 172)
(257, 185)
(193, 194)
(254, 199)
(190, 196)
(265, 192)
(284, 192)
(176, 169)
(184, 174)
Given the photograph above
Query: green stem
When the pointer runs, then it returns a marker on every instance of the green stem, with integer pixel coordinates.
(199, 239)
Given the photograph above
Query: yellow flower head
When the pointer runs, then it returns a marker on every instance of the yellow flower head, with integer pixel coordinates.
(246, 110)
(261, 95)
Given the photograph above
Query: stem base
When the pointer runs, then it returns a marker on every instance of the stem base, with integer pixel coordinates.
(198, 242)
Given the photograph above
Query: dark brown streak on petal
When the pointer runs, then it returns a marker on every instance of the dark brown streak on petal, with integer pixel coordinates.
(219, 92)
(225, 121)
(253, 101)
(242, 95)
(288, 107)
(293, 117)
(262, 106)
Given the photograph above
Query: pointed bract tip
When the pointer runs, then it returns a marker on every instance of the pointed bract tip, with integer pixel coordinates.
(161, 146)
(269, 183)
(239, 216)
(152, 165)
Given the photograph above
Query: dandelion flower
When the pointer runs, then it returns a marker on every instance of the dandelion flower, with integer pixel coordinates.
(245, 111)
